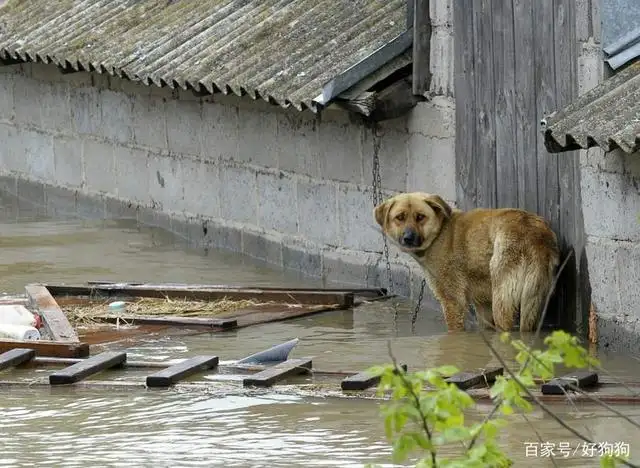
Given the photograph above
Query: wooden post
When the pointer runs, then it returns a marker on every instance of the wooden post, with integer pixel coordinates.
(421, 46)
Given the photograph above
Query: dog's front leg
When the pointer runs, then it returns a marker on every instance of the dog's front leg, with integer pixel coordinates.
(454, 312)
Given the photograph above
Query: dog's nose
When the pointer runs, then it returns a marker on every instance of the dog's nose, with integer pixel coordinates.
(409, 237)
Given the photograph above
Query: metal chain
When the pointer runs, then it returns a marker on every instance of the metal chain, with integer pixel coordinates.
(419, 303)
(377, 199)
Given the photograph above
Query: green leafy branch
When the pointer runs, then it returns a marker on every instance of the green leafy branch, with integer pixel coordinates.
(425, 413)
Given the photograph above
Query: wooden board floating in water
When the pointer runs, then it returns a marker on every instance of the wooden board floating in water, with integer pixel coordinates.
(196, 322)
(15, 357)
(172, 291)
(48, 348)
(363, 380)
(54, 321)
(177, 372)
(560, 385)
(281, 371)
(466, 380)
(90, 366)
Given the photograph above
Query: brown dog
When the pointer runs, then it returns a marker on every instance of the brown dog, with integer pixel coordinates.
(498, 260)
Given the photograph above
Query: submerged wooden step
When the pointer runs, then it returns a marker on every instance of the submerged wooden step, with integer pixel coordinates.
(177, 372)
(579, 379)
(281, 371)
(15, 357)
(88, 367)
(467, 379)
(195, 322)
(363, 380)
(48, 348)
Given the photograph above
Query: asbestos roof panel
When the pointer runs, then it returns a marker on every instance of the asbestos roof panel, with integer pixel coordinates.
(282, 51)
(607, 116)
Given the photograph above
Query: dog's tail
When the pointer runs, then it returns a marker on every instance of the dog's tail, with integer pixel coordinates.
(538, 288)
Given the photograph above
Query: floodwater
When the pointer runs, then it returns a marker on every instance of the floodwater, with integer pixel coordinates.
(80, 427)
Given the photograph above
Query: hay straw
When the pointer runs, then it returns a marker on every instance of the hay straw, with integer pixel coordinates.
(85, 315)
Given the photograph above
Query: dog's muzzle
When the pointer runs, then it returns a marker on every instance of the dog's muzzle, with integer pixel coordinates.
(410, 238)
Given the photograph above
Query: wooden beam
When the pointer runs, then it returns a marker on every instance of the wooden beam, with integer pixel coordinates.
(177, 372)
(421, 47)
(362, 380)
(373, 292)
(15, 357)
(48, 348)
(579, 379)
(186, 292)
(88, 367)
(193, 322)
(394, 101)
(54, 321)
(274, 374)
(465, 380)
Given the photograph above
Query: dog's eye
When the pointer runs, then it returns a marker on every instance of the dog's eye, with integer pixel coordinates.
(400, 217)
(419, 217)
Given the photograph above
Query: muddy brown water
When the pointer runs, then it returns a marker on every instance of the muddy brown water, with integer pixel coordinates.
(68, 427)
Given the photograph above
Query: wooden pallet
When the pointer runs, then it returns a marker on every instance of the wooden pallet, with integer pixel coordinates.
(76, 371)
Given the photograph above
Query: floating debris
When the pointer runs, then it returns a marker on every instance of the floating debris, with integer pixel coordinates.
(82, 315)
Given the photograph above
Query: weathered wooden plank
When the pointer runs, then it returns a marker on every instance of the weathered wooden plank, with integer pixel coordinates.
(48, 348)
(421, 46)
(88, 367)
(373, 292)
(579, 379)
(465, 98)
(281, 371)
(507, 170)
(177, 372)
(172, 291)
(526, 119)
(197, 322)
(571, 226)
(15, 357)
(485, 154)
(545, 91)
(54, 321)
(465, 380)
(362, 380)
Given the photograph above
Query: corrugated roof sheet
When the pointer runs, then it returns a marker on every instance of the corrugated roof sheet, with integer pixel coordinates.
(283, 51)
(607, 116)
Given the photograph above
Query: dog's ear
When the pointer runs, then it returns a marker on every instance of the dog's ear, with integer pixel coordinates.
(381, 211)
(437, 203)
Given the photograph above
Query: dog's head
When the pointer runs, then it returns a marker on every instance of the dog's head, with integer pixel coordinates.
(412, 220)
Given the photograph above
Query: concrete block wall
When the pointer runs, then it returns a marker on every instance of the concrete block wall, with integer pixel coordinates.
(290, 188)
(610, 189)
